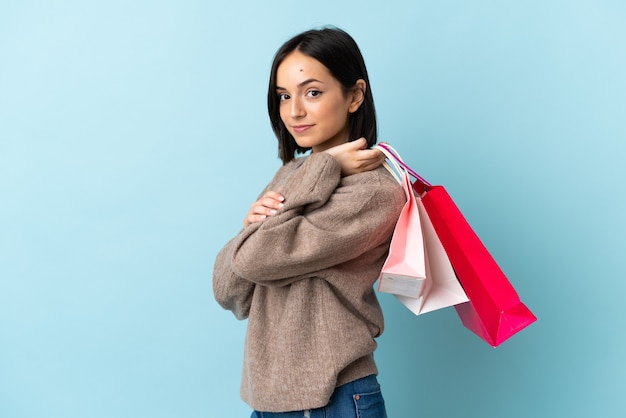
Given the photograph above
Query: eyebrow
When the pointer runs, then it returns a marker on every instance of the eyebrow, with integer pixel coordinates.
(305, 82)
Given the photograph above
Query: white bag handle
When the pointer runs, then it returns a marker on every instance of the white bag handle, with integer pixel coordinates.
(397, 171)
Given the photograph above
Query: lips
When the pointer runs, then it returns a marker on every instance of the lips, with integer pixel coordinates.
(301, 128)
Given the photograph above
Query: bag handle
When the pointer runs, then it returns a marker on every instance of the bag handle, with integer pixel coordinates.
(421, 184)
(392, 165)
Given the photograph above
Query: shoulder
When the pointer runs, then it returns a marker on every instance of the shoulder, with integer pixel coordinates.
(378, 187)
(378, 179)
(285, 170)
(292, 165)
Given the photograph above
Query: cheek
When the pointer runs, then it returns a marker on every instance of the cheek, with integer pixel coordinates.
(338, 116)
(335, 111)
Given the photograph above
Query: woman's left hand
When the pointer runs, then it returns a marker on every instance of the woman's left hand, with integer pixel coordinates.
(355, 158)
(266, 206)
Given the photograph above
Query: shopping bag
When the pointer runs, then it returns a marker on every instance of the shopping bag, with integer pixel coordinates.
(427, 280)
(494, 311)
(445, 289)
(404, 270)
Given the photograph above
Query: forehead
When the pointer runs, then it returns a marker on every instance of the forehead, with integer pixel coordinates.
(297, 67)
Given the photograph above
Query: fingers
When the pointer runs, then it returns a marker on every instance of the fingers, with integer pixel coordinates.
(348, 148)
(355, 157)
(275, 196)
(268, 205)
(370, 155)
(366, 160)
(358, 144)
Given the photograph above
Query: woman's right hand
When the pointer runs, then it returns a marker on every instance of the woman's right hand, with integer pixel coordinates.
(266, 206)
(355, 157)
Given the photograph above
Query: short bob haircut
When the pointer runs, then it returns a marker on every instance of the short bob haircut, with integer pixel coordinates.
(338, 52)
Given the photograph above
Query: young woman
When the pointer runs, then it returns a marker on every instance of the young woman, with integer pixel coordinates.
(302, 268)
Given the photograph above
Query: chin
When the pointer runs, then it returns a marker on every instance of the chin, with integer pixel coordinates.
(306, 144)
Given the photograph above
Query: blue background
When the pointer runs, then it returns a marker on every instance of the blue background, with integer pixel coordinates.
(134, 136)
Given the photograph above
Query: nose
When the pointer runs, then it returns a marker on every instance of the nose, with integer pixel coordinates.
(297, 110)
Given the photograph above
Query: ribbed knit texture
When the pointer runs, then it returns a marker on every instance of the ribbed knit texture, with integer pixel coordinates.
(304, 277)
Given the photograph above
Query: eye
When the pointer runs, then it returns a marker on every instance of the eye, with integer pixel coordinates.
(283, 96)
(313, 93)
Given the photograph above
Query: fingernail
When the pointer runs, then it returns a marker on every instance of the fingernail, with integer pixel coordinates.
(272, 212)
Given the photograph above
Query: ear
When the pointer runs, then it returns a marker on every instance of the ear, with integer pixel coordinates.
(357, 95)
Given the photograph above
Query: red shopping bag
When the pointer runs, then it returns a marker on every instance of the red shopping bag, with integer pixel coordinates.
(494, 311)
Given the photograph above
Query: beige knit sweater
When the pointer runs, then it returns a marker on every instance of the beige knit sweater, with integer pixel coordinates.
(304, 277)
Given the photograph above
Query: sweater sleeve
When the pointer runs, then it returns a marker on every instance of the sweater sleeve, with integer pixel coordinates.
(231, 291)
(324, 222)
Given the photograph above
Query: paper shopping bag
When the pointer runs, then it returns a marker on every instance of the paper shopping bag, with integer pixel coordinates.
(404, 270)
(494, 311)
(417, 270)
(445, 289)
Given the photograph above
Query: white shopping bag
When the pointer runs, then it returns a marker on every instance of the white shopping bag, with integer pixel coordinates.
(438, 287)
(445, 289)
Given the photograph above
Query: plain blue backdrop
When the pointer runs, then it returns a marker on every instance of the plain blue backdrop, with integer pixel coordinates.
(134, 136)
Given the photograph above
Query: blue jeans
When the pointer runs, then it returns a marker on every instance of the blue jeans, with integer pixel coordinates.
(359, 399)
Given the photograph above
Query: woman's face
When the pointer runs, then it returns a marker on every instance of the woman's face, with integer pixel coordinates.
(313, 105)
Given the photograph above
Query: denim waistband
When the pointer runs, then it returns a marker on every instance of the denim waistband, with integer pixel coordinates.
(364, 386)
(367, 384)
